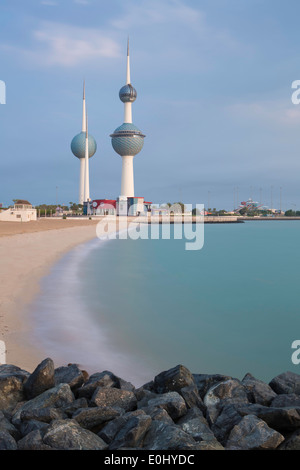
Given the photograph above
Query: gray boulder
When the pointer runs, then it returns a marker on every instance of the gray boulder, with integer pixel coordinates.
(33, 441)
(164, 436)
(207, 445)
(115, 397)
(172, 402)
(191, 397)
(45, 414)
(149, 386)
(292, 442)
(99, 379)
(93, 418)
(281, 419)
(103, 379)
(75, 405)
(288, 382)
(221, 394)
(157, 413)
(258, 391)
(7, 426)
(32, 425)
(67, 434)
(132, 433)
(7, 442)
(173, 380)
(71, 375)
(286, 400)
(205, 381)
(59, 396)
(111, 429)
(41, 379)
(194, 424)
(12, 379)
(253, 433)
(224, 423)
(9, 369)
(144, 396)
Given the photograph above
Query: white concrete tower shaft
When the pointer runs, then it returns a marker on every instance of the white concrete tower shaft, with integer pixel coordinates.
(82, 160)
(86, 161)
(127, 180)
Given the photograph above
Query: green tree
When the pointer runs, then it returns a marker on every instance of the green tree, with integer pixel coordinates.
(290, 213)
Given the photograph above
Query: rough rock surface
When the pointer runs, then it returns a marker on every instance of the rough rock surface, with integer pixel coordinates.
(172, 402)
(253, 433)
(288, 382)
(71, 375)
(124, 399)
(41, 379)
(173, 380)
(12, 380)
(65, 408)
(68, 434)
(258, 391)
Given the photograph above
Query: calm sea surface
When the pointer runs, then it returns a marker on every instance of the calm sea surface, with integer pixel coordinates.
(138, 307)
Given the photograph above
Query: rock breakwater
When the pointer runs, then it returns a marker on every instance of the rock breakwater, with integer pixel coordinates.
(65, 408)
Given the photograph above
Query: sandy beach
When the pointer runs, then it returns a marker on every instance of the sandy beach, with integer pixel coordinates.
(27, 252)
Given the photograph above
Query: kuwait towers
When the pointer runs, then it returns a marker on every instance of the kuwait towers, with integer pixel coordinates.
(127, 140)
(84, 147)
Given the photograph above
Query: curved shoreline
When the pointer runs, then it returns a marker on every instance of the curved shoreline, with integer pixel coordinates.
(25, 259)
(67, 328)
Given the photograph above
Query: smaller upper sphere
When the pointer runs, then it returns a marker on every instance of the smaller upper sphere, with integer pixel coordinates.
(128, 94)
(78, 145)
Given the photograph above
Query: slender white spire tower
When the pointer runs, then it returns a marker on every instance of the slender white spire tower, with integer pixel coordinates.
(128, 104)
(82, 161)
(86, 165)
(83, 147)
(127, 140)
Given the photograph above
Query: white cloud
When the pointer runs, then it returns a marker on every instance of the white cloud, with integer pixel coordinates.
(68, 46)
(278, 111)
(176, 30)
(185, 27)
(149, 13)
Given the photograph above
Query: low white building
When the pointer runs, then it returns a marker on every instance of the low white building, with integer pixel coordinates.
(22, 211)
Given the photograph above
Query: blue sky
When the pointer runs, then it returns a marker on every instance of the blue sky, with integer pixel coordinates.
(214, 98)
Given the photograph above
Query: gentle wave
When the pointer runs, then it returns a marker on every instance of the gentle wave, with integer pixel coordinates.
(66, 330)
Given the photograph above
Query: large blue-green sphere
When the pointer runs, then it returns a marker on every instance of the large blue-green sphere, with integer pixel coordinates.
(127, 140)
(78, 145)
(128, 94)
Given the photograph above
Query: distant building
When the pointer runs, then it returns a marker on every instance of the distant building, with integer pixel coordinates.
(22, 211)
(103, 207)
(58, 211)
(131, 206)
(160, 211)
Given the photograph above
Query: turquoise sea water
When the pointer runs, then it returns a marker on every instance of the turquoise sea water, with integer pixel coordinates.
(138, 307)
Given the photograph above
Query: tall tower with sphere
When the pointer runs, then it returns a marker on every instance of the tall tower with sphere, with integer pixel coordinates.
(84, 147)
(127, 140)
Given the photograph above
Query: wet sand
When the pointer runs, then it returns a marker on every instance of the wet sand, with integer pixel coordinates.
(27, 252)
